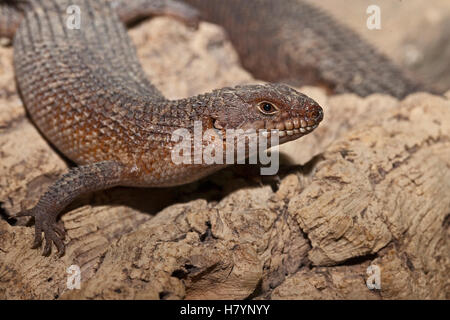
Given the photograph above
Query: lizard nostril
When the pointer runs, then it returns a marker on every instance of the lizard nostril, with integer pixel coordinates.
(317, 114)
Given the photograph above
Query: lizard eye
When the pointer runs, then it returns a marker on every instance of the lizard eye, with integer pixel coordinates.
(267, 108)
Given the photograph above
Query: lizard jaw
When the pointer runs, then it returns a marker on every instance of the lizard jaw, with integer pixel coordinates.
(292, 129)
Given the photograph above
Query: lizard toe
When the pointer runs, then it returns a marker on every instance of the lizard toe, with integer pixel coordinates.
(37, 234)
(53, 233)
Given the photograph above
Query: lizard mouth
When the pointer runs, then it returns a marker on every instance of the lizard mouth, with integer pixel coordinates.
(293, 128)
(286, 130)
(298, 126)
(290, 128)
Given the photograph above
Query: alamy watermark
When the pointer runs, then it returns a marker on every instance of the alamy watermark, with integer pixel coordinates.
(374, 279)
(374, 20)
(73, 277)
(73, 21)
(210, 147)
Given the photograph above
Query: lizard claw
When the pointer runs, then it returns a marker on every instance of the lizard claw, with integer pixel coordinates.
(53, 233)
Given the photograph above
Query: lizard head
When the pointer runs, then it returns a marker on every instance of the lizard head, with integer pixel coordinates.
(269, 106)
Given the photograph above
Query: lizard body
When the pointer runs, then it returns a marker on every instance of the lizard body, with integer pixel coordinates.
(88, 95)
(86, 91)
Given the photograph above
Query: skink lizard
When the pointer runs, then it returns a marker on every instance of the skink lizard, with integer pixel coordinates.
(87, 93)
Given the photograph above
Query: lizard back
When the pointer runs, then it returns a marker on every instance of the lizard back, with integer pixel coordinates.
(84, 87)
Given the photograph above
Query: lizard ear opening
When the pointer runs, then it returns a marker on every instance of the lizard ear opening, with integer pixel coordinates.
(218, 124)
(214, 122)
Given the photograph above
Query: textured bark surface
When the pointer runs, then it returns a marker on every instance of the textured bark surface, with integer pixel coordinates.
(370, 187)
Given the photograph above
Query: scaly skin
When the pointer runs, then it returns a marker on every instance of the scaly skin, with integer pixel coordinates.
(289, 40)
(293, 41)
(129, 11)
(87, 93)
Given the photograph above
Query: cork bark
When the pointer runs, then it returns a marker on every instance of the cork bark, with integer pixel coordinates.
(370, 187)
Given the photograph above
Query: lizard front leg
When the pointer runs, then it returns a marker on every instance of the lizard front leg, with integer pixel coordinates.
(77, 181)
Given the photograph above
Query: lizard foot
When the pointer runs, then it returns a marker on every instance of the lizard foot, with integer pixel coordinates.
(53, 233)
